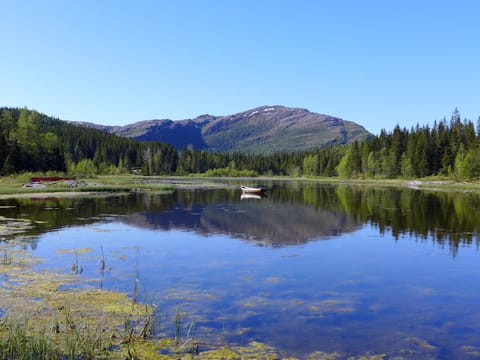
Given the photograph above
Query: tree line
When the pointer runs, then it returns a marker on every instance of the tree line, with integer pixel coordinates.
(30, 141)
(449, 148)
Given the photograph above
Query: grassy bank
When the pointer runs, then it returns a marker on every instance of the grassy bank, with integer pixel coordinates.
(12, 185)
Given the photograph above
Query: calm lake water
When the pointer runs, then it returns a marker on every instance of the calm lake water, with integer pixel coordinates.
(311, 267)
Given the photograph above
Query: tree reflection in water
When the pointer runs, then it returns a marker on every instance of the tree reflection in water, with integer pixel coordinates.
(289, 215)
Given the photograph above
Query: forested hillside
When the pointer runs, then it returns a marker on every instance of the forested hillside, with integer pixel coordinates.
(448, 148)
(30, 141)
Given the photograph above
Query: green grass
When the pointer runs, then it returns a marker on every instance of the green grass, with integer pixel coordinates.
(65, 338)
(17, 343)
(14, 185)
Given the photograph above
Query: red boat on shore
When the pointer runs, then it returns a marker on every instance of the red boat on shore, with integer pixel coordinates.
(50, 178)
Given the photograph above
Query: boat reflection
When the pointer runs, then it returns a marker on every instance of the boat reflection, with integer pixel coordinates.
(247, 196)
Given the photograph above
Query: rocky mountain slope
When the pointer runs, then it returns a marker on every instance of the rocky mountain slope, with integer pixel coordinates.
(266, 129)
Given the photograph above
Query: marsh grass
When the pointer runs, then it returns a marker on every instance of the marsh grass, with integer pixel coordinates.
(21, 339)
(17, 343)
(7, 258)
(41, 321)
(68, 336)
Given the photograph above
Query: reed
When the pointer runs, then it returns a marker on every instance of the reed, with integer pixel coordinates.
(22, 340)
(7, 258)
(178, 323)
(102, 259)
(76, 267)
(69, 339)
(19, 344)
(137, 279)
(192, 346)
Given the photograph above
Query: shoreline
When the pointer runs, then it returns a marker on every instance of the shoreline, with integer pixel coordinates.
(12, 188)
(33, 195)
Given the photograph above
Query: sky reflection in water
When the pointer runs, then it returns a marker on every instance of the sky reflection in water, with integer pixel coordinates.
(303, 270)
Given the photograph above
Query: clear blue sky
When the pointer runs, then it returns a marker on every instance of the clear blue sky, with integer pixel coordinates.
(377, 63)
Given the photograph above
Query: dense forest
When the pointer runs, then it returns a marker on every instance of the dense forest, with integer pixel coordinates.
(30, 141)
(448, 148)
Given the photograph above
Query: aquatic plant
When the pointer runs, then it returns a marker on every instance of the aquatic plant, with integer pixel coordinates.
(102, 259)
(7, 258)
(16, 343)
(46, 318)
(178, 319)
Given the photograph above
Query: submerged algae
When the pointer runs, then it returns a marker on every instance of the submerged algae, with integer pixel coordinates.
(102, 315)
(70, 320)
(89, 322)
(167, 350)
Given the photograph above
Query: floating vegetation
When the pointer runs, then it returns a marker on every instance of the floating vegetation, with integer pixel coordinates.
(74, 251)
(422, 344)
(369, 357)
(99, 229)
(472, 351)
(43, 321)
(320, 355)
(10, 226)
(254, 350)
(61, 316)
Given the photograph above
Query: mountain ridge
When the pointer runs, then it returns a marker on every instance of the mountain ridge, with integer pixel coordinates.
(265, 129)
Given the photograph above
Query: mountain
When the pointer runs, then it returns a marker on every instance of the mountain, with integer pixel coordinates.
(266, 130)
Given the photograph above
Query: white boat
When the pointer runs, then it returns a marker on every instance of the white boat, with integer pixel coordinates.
(252, 190)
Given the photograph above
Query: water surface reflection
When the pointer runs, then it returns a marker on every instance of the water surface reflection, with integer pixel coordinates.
(289, 215)
(341, 269)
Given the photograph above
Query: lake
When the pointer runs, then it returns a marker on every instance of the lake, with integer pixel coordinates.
(343, 270)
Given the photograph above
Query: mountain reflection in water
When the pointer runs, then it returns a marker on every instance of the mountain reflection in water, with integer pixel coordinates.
(295, 215)
(289, 215)
(262, 223)
(383, 286)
